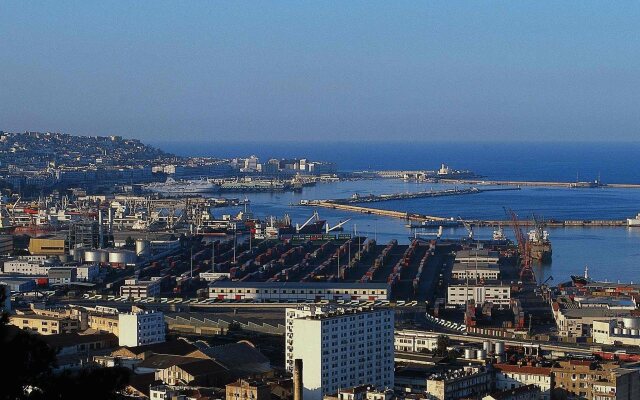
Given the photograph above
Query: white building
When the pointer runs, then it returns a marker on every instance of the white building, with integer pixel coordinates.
(136, 289)
(415, 341)
(25, 267)
(87, 272)
(296, 291)
(509, 376)
(140, 327)
(475, 271)
(340, 347)
(617, 331)
(496, 294)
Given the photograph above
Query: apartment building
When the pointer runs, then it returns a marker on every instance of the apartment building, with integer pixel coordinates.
(140, 327)
(595, 381)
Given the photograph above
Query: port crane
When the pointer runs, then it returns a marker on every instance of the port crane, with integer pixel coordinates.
(338, 225)
(523, 246)
(308, 221)
(467, 226)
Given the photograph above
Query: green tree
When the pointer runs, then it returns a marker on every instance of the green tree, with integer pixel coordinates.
(29, 362)
(441, 345)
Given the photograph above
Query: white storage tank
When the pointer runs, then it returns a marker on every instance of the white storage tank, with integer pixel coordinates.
(499, 348)
(469, 354)
(95, 256)
(122, 257)
(626, 331)
(635, 332)
(481, 354)
(486, 346)
(631, 322)
(617, 331)
(143, 247)
(77, 254)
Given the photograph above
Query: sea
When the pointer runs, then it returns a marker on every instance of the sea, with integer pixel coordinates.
(611, 253)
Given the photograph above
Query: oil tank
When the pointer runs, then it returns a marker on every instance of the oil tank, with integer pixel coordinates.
(617, 331)
(143, 247)
(499, 348)
(95, 256)
(481, 354)
(122, 257)
(486, 346)
(469, 354)
(77, 254)
(631, 322)
(626, 331)
(65, 258)
(635, 332)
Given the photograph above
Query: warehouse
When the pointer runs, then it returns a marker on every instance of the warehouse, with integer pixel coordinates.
(297, 291)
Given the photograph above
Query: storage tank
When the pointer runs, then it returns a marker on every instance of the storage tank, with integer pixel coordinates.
(143, 247)
(469, 354)
(122, 257)
(617, 331)
(635, 332)
(65, 258)
(95, 256)
(631, 322)
(486, 346)
(77, 254)
(481, 354)
(499, 348)
(626, 331)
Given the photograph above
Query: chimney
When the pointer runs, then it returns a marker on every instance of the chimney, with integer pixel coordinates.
(297, 379)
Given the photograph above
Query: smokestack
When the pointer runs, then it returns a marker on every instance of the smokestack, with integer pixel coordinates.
(100, 230)
(297, 379)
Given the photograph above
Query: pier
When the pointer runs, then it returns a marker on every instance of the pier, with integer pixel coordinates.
(586, 185)
(416, 217)
(356, 199)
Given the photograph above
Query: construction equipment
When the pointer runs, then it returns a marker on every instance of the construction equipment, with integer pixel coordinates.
(468, 227)
(338, 225)
(526, 272)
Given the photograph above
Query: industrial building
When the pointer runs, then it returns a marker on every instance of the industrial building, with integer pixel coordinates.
(50, 245)
(415, 341)
(136, 289)
(298, 291)
(617, 331)
(484, 271)
(340, 347)
(498, 294)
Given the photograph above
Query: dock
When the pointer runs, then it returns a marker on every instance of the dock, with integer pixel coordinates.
(586, 185)
(416, 217)
(357, 199)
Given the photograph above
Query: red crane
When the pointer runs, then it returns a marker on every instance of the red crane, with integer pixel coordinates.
(526, 272)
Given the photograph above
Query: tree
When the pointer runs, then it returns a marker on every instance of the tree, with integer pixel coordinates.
(29, 362)
(441, 345)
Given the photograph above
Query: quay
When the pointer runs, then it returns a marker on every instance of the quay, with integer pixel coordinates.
(431, 218)
(356, 199)
(593, 184)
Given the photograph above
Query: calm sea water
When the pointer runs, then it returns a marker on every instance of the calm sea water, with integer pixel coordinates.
(610, 253)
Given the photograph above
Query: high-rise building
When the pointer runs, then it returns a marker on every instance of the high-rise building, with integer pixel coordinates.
(340, 347)
(140, 327)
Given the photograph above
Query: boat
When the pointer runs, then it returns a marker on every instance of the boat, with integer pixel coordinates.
(171, 186)
(581, 280)
(540, 245)
(634, 221)
(498, 235)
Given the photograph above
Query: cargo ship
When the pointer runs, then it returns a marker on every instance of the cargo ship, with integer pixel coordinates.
(540, 245)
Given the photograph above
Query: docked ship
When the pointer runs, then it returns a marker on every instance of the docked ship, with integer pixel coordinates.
(634, 221)
(172, 186)
(581, 280)
(539, 245)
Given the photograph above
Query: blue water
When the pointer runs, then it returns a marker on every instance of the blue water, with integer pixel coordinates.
(610, 253)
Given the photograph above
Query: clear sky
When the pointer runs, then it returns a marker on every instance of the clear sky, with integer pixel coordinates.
(312, 70)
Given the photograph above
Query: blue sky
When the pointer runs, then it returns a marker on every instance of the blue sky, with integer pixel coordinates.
(316, 70)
